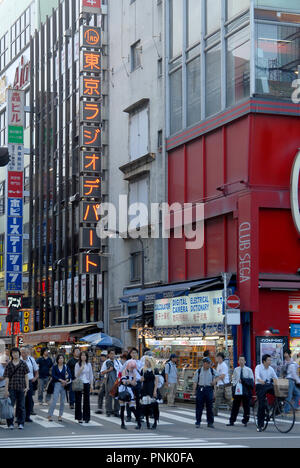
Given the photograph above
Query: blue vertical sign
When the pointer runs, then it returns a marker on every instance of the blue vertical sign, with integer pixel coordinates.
(14, 195)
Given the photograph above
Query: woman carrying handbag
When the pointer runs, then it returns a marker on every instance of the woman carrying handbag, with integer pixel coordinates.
(126, 394)
(149, 391)
(84, 376)
(60, 379)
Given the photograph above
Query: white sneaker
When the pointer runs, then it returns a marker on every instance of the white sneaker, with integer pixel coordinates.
(21, 427)
(11, 427)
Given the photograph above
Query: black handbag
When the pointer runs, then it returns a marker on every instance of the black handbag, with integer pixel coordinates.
(124, 396)
(50, 387)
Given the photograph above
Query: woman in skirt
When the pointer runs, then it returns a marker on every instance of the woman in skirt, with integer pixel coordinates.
(128, 382)
(149, 391)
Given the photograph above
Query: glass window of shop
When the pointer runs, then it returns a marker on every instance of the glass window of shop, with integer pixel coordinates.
(238, 66)
(176, 100)
(277, 59)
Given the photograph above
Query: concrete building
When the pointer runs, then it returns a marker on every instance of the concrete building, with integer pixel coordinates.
(135, 152)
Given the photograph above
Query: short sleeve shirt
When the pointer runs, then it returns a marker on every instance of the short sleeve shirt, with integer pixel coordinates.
(16, 375)
(222, 369)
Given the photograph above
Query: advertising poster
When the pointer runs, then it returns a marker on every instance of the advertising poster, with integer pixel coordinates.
(274, 346)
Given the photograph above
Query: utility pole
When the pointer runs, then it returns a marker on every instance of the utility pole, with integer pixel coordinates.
(225, 312)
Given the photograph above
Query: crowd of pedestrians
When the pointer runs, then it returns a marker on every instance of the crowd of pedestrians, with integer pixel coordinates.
(133, 387)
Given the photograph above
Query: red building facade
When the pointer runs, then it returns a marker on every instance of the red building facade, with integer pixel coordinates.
(239, 165)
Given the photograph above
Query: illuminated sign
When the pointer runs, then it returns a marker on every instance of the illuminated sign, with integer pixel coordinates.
(90, 162)
(89, 212)
(90, 87)
(89, 239)
(295, 192)
(89, 263)
(90, 112)
(91, 62)
(90, 137)
(90, 187)
(91, 36)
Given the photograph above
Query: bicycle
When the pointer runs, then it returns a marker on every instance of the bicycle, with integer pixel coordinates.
(281, 411)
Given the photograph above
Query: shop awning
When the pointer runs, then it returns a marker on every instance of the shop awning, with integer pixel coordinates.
(57, 334)
(169, 291)
(284, 282)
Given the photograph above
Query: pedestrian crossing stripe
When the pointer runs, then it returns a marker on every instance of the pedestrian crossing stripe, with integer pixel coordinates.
(114, 441)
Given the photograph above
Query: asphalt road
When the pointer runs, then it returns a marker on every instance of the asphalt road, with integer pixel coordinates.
(176, 430)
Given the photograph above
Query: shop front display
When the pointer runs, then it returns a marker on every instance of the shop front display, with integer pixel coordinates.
(189, 344)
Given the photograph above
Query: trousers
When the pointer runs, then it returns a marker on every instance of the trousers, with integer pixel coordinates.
(59, 392)
(83, 414)
(205, 397)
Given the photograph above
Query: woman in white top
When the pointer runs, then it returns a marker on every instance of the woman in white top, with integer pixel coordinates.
(126, 395)
(84, 372)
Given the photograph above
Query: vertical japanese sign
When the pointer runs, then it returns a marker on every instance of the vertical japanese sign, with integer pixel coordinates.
(14, 192)
(90, 143)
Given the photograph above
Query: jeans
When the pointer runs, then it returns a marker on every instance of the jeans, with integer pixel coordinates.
(101, 396)
(85, 413)
(17, 397)
(43, 382)
(112, 405)
(71, 397)
(59, 391)
(293, 396)
(205, 396)
(29, 401)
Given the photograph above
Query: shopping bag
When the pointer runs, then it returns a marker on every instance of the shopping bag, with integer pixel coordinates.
(239, 390)
(6, 409)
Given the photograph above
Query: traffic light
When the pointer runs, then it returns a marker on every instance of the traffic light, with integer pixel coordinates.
(4, 156)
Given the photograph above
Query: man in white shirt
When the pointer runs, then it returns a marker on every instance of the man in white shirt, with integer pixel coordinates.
(290, 372)
(264, 377)
(243, 384)
(110, 369)
(223, 391)
(32, 377)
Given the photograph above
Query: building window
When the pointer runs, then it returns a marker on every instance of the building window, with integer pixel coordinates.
(135, 270)
(238, 66)
(236, 7)
(277, 59)
(213, 15)
(176, 101)
(213, 80)
(138, 203)
(193, 91)
(21, 30)
(2, 129)
(4, 52)
(136, 56)
(139, 133)
(176, 28)
(26, 183)
(292, 5)
(194, 22)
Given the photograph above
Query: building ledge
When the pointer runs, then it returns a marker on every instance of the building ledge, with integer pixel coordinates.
(138, 167)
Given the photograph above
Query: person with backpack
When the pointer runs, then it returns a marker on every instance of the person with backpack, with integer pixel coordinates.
(171, 379)
(33, 378)
(203, 387)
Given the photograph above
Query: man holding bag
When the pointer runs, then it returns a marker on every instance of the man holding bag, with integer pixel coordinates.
(243, 384)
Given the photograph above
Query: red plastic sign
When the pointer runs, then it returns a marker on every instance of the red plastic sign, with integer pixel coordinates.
(233, 302)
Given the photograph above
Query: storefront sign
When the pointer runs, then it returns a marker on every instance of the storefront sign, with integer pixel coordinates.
(201, 308)
(295, 330)
(91, 37)
(294, 308)
(27, 320)
(295, 192)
